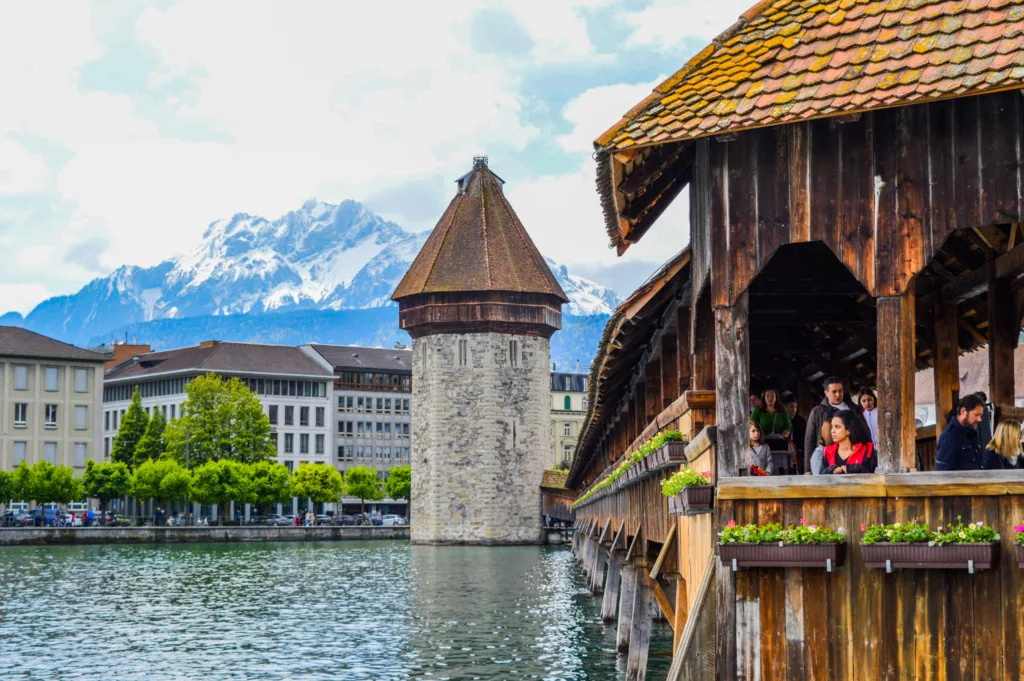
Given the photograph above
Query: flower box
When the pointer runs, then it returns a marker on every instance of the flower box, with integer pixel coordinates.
(1020, 555)
(670, 454)
(692, 500)
(773, 555)
(921, 556)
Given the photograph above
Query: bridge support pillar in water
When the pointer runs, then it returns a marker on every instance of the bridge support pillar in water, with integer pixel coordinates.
(611, 591)
(640, 629)
(597, 571)
(627, 597)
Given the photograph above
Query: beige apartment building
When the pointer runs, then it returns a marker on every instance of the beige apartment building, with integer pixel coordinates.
(568, 409)
(51, 395)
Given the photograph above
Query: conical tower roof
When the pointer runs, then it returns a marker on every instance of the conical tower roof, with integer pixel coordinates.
(479, 246)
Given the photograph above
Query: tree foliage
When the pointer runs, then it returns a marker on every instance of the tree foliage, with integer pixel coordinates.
(362, 482)
(152, 444)
(320, 482)
(271, 482)
(174, 485)
(147, 480)
(215, 483)
(21, 482)
(48, 483)
(398, 484)
(222, 420)
(130, 432)
(6, 486)
(106, 480)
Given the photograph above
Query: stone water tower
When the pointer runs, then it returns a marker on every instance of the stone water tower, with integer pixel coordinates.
(481, 305)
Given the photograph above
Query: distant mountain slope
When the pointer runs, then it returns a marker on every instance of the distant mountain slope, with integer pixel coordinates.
(320, 257)
(371, 327)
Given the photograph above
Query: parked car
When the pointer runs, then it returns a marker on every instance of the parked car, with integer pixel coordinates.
(347, 519)
(42, 516)
(277, 520)
(16, 518)
(392, 519)
(118, 520)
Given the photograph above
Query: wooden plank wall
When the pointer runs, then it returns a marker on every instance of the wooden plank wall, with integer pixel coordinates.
(859, 623)
(882, 192)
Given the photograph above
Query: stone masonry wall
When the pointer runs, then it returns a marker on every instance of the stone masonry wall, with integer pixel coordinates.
(481, 438)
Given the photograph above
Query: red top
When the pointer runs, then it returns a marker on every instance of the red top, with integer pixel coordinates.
(861, 452)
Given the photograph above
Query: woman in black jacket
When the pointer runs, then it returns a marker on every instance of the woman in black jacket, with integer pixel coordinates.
(1003, 452)
(844, 456)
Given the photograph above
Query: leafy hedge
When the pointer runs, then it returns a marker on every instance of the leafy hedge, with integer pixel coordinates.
(642, 452)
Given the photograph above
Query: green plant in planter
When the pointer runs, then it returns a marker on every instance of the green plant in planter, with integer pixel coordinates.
(919, 533)
(680, 480)
(972, 533)
(1019, 529)
(641, 452)
(773, 533)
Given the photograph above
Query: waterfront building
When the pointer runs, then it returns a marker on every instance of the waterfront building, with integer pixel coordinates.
(568, 409)
(50, 401)
(296, 390)
(481, 305)
(372, 404)
(862, 223)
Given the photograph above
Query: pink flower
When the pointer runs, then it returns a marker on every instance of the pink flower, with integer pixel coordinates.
(803, 521)
(863, 527)
(812, 528)
(732, 523)
(1019, 528)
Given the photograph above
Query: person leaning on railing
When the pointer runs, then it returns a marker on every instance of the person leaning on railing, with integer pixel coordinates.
(959, 448)
(771, 415)
(845, 455)
(1004, 451)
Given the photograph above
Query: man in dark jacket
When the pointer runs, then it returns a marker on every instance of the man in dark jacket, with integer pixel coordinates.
(832, 403)
(959, 447)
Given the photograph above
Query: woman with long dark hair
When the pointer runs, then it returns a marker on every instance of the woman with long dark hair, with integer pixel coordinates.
(845, 455)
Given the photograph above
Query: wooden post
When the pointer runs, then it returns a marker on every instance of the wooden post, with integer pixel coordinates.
(611, 591)
(682, 612)
(640, 633)
(897, 430)
(652, 380)
(702, 346)
(627, 597)
(947, 360)
(725, 656)
(669, 369)
(732, 361)
(1003, 330)
(683, 353)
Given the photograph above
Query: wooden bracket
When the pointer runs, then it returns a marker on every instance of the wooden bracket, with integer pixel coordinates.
(665, 548)
(619, 541)
(631, 552)
(604, 532)
(666, 607)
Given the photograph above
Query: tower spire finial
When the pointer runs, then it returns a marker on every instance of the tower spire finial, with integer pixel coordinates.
(479, 162)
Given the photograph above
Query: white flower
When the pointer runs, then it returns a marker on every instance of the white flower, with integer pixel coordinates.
(841, 531)
(895, 524)
(980, 523)
(963, 535)
(972, 526)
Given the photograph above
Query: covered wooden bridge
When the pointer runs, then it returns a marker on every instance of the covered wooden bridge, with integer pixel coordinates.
(854, 174)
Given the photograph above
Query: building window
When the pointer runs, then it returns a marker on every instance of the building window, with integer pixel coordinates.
(106, 448)
(380, 405)
(380, 431)
(173, 408)
(303, 416)
(289, 465)
(378, 452)
(387, 452)
(289, 416)
(51, 416)
(568, 382)
(320, 413)
(81, 417)
(387, 405)
(568, 403)
(81, 380)
(463, 353)
(566, 453)
(20, 377)
(319, 443)
(387, 431)
(271, 414)
(289, 443)
(513, 353)
(20, 414)
(567, 429)
(80, 449)
(273, 438)
(405, 430)
(304, 443)
(584, 404)
(50, 452)
(359, 452)
(405, 406)
(51, 382)
(20, 449)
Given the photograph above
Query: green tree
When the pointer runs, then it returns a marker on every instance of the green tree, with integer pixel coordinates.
(105, 481)
(398, 484)
(132, 428)
(222, 420)
(215, 483)
(362, 482)
(320, 482)
(53, 484)
(271, 482)
(6, 486)
(174, 484)
(21, 482)
(147, 480)
(152, 444)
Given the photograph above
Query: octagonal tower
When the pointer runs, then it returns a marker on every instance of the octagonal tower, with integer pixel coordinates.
(481, 305)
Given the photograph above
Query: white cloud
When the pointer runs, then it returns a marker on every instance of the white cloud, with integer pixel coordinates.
(595, 110)
(665, 24)
(22, 297)
(20, 170)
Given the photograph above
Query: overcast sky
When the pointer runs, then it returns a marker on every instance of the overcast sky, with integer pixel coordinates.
(127, 127)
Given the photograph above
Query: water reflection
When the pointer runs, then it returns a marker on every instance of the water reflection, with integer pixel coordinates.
(366, 610)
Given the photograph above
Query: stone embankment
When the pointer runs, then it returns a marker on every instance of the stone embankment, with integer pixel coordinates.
(31, 536)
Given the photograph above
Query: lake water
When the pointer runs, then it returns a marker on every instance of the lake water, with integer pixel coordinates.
(342, 610)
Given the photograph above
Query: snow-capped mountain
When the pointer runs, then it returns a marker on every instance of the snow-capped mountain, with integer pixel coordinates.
(322, 257)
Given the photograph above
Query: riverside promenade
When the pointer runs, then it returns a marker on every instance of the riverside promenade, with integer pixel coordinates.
(32, 536)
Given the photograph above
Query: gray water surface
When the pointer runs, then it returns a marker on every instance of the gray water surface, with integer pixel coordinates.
(282, 611)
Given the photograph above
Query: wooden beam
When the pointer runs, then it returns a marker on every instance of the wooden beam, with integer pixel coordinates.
(732, 361)
(669, 369)
(619, 541)
(947, 358)
(896, 368)
(899, 485)
(1003, 331)
(665, 549)
(663, 603)
(975, 282)
(631, 552)
(683, 349)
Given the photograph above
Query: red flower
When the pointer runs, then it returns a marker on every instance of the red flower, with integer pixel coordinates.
(732, 523)
(803, 521)
(863, 527)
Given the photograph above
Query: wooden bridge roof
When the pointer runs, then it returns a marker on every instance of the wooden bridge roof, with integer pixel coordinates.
(790, 60)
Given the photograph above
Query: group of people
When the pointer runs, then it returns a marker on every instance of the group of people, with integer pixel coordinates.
(842, 438)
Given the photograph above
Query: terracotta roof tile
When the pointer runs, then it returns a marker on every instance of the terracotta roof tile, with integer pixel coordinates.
(802, 59)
